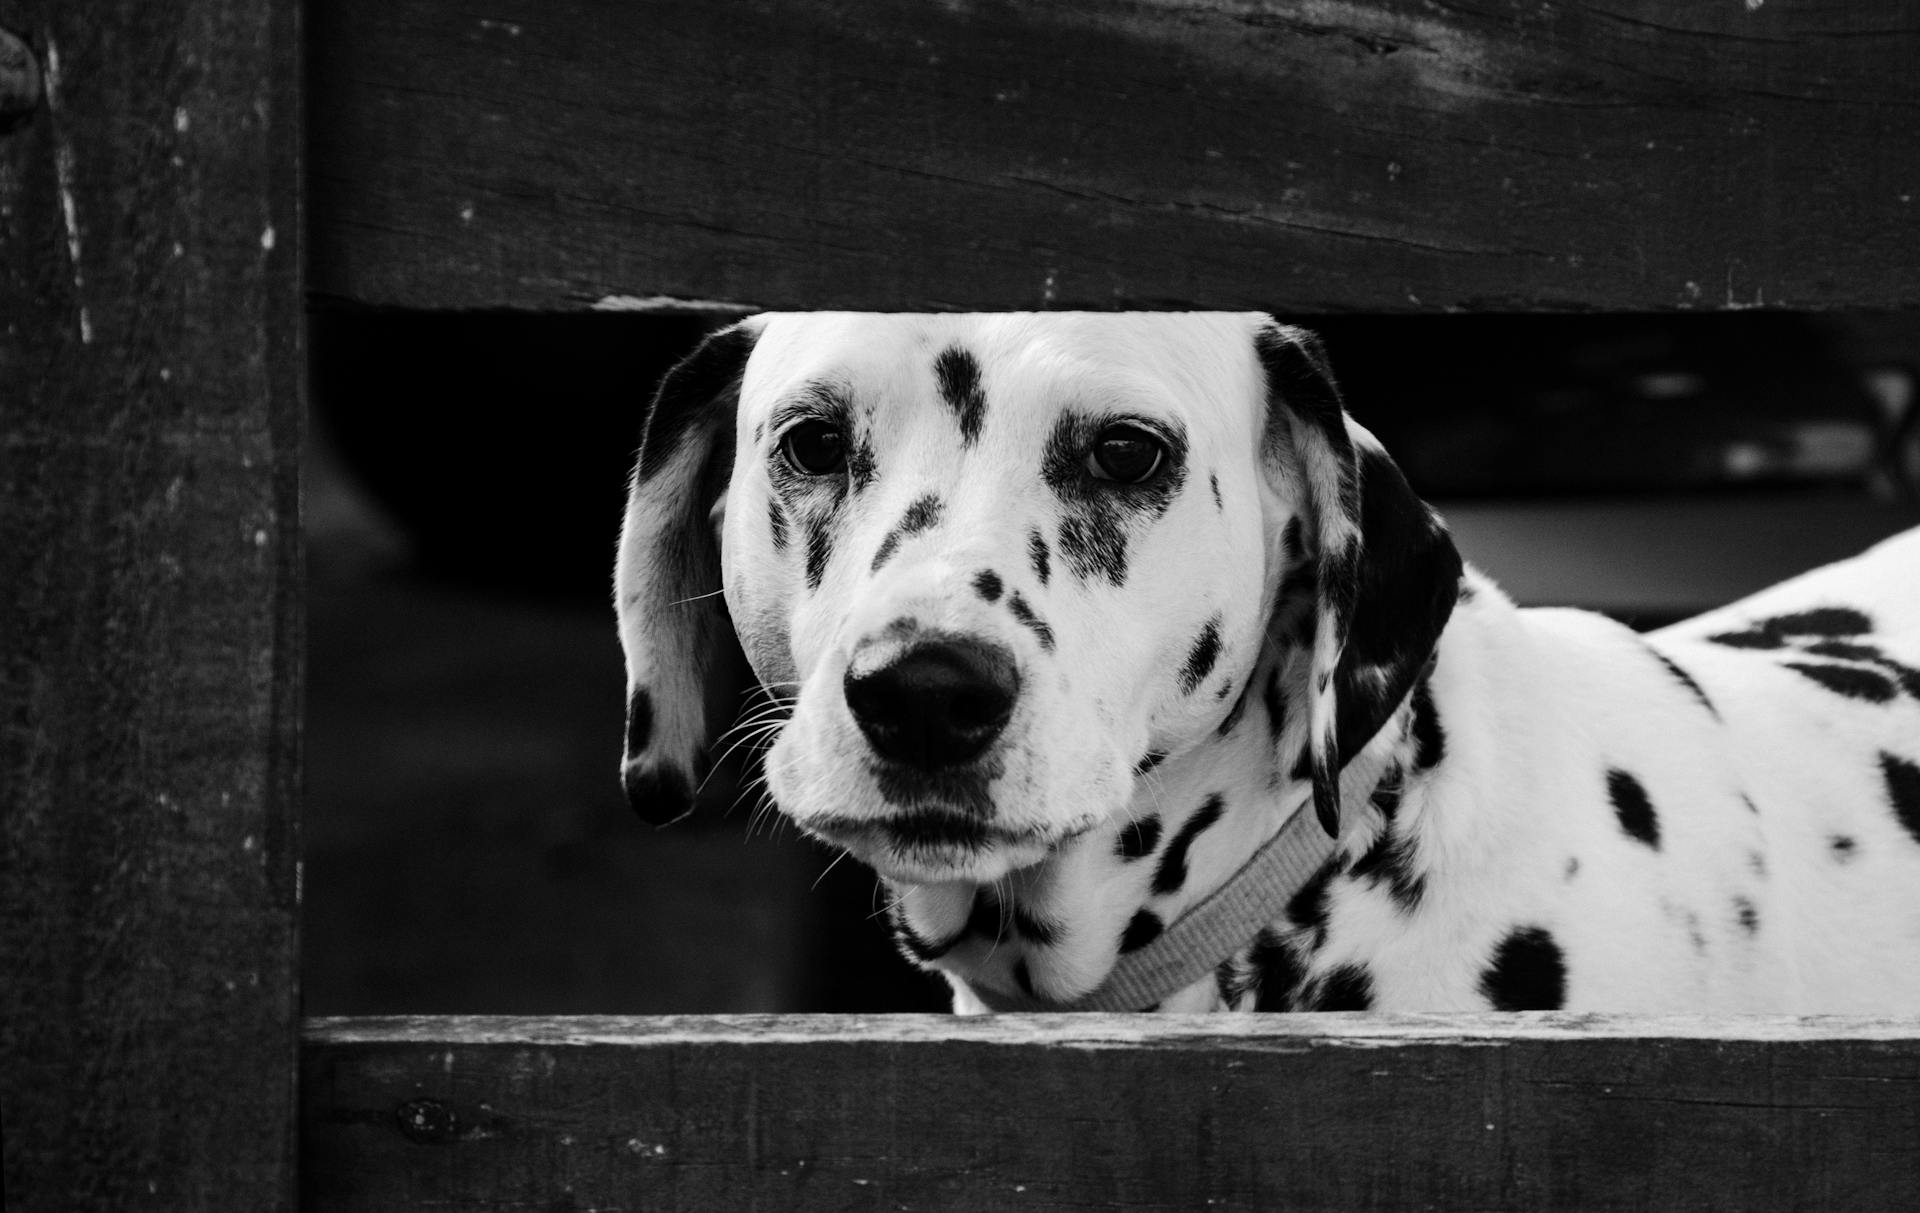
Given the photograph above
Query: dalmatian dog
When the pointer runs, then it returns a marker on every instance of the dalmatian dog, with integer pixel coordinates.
(1131, 664)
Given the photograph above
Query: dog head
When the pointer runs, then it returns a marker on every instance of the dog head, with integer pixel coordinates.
(996, 566)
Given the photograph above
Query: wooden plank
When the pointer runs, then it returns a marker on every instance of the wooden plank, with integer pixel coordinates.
(150, 421)
(1309, 157)
(1337, 1112)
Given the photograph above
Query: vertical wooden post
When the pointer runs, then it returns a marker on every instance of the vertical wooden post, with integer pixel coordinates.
(150, 614)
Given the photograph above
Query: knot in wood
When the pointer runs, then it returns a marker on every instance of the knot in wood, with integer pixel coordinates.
(427, 1121)
(19, 80)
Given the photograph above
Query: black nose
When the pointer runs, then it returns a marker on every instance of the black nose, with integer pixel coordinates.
(940, 704)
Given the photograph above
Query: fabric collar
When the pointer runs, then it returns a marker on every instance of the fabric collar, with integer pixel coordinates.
(1211, 930)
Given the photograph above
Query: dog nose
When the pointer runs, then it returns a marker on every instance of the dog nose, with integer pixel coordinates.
(939, 704)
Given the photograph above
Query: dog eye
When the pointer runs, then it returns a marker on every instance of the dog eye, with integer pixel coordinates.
(1125, 453)
(816, 448)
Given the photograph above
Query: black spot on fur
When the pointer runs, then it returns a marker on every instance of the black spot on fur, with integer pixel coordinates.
(1138, 838)
(1748, 801)
(1025, 615)
(986, 583)
(1903, 791)
(1200, 659)
(1843, 846)
(1042, 931)
(1757, 864)
(1528, 973)
(1307, 909)
(860, 466)
(1038, 555)
(1631, 806)
(1213, 482)
(1142, 929)
(1685, 679)
(639, 721)
(1232, 980)
(819, 550)
(1850, 681)
(1278, 971)
(1393, 860)
(1172, 872)
(777, 523)
(1747, 915)
(1906, 676)
(1430, 739)
(1153, 759)
(1099, 515)
(1348, 987)
(1275, 701)
(1466, 591)
(922, 515)
(959, 378)
(1573, 866)
(1775, 632)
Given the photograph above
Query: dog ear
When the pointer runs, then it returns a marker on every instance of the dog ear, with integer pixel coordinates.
(1385, 571)
(684, 666)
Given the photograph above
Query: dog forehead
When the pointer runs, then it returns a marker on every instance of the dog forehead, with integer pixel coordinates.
(1025, 358)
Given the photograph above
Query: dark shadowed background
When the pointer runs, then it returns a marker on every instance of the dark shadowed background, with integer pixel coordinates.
(467, 847)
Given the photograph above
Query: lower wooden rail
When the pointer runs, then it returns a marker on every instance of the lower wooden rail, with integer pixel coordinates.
(1456, 1112)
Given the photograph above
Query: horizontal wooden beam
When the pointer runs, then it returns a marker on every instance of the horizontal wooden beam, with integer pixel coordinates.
(1308, 157)
(1488, 1112)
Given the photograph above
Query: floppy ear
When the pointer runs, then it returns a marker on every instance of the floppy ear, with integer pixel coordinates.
(1385, 571)
(684, 666)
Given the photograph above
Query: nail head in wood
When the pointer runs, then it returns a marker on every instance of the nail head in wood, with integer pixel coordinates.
(426, 1121)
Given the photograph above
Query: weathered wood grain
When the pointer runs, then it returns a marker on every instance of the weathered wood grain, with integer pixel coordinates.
(1490, 1112)
(150, 420)
(1404, 155)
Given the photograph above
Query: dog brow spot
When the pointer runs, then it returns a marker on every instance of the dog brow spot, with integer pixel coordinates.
(1903, 791)
(1844, 848)
(959, 377)
(1037, 553)
(986, 583)
(1025, 615)
(1172, 872)
(1213, 482)
(1138, 838)
(1205, 651)
(1528, 973)
(1631, 806)
(1142, 929)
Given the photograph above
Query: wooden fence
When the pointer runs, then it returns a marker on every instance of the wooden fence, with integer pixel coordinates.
(159, 207)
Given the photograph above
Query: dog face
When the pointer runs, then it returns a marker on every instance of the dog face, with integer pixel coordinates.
(997, 565)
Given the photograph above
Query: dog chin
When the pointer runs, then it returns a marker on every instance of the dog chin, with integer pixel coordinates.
(933, 847)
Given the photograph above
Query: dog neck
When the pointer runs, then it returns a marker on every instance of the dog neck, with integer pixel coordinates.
(1152, 909)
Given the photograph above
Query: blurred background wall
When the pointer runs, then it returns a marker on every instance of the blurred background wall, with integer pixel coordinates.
(467, 846)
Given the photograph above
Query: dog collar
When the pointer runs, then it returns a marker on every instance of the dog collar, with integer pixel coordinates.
(1211, 930)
